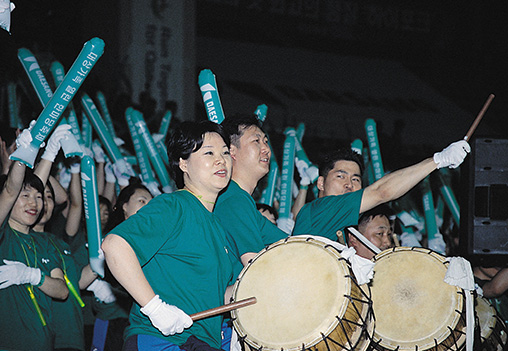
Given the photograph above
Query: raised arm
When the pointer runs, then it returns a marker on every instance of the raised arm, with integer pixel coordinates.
(43, 168)
(76, 202)
(398, 183)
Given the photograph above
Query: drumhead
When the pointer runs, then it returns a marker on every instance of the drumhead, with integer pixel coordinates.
(413, 306)
(486, 316)
(300, 287)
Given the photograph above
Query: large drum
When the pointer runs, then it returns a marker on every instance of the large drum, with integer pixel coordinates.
(413, 306)
(307, 298)
(493, 332)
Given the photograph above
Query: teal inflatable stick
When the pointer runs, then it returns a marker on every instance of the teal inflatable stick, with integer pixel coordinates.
(261, 112)
(100, 128)
(300, 130)
(448, 195)
(440, 206)
(157, 163)
(357, 146)
(14, 121)
(210, 93)
(161, 148)
(58, 73)
(87, 131)
(103, 107)
(429, 212)
(165, 122)
(47, 120)
(288, 165)
(268, 193)
(374, 150)
(303, 161)
(143, 160)
(131, 159)
(92, 214)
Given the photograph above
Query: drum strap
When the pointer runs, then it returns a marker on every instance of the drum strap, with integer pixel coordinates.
(460, 274)
(364, 240)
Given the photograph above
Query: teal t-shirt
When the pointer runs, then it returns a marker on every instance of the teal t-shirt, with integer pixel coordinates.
(327, 215)
(182, 249)
(247, 229)
(67, 314)
(20, 325)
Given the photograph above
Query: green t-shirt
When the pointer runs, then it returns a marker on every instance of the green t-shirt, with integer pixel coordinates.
(181, 247)
(326, 215)
(247, 229)
(67, 314)
(20, 325)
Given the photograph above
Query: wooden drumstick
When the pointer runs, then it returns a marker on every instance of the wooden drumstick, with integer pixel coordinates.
(479, 117)
(224, 308)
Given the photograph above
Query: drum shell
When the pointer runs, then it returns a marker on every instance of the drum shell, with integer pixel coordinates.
(296, 257)
(492, 329)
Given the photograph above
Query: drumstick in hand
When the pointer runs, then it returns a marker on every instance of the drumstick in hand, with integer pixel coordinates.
(479, 117)
(224, 308)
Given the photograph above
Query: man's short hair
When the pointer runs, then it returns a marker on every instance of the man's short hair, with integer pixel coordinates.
(264, 207)
(236, 125)
(343, 154)
(381, 210)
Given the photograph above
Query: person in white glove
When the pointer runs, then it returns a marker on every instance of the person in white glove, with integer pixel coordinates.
(29, 271)
(341, 194)
(172, 256)
(102, 291)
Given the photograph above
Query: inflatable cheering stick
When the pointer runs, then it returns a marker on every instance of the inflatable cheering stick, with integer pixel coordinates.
(261, 112)
(14, 121)
(165, 122)
(374, 150)
(106, 138)
(157, 163)
(208, 87)
(92, 214)
(48, 118)
(288, 165)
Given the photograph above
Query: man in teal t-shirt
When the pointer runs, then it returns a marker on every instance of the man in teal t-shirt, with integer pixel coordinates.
(248, 231)
(182, 249)
(342, 199)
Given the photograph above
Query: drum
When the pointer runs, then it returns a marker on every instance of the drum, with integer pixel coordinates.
(307, 298)
(493, 332)
(413, 306)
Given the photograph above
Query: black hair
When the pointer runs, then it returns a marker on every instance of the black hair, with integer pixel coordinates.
(270, 209)
(382, 210)
(30, 180)
(187, 139)
(117, 216)
(343, 154)
(236, 125)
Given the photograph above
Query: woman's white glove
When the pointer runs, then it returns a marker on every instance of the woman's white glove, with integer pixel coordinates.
(24, 139)
(98, 153)
(17, 273)
(168, 319)
(453, 155)
(61, 132)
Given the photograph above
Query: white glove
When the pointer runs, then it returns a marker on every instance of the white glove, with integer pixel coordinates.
(302, 168)
(121, 177)
(102, 291)
(157, 137)
(478, 289)
(409, 240)
(286, 225)
(61, 132)
(17, 273)
(6, 7)
(75, 168)
(118, 141)
(110, 174)
(168, 319)
(24, 139)
(453, 155)
(98, 153)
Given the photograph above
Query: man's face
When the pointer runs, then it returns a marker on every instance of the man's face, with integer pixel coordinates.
(345, 177)
(253, 153)
(378, 232)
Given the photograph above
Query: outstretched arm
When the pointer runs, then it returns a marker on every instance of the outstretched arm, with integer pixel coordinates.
(497, 286)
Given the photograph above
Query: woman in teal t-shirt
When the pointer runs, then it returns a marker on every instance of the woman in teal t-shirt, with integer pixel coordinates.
(171, 255)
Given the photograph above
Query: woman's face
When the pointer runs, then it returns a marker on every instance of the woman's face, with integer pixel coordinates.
(26, 209)
(137, 200)
(49, 205)
(208, 170)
